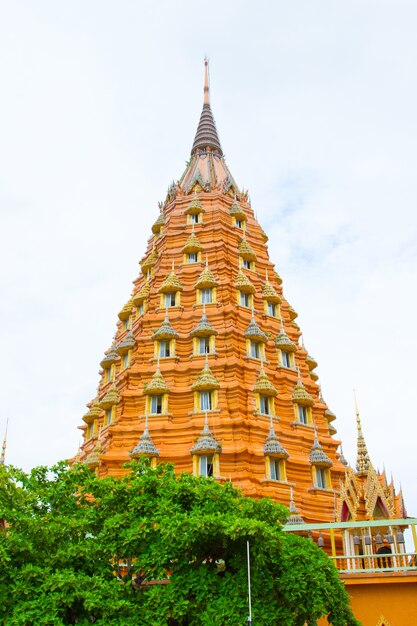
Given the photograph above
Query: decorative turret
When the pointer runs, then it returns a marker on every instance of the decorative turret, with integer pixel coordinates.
(146, 446)
(192, 244)
(203, 328)
(148, 262)
(171, 283)
(246, 251)
(294, 516)
(157, 385)
(237, 211)
(111, 398)
(300, 395)
(206, 442)
(264, 385)
(206, 279)
(127, 344)
(283, 342)
(111, 357)
(158, 224)
(269, 293)
(93, 459)
(243, 283)
(318, 456)
(94, 412)
(254, 333)
(126, 311)
(142, 294)
(206, 380)
(165, 331)
(195, 206)
(272, 445)
(362, 458)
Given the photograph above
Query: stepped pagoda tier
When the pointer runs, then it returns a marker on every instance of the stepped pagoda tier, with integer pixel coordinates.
(207, 369)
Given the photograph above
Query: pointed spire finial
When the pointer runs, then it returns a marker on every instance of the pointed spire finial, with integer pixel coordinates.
(266, 275)
(362, 457)
(206, 259)
(206, 135)
(206, 82)
(3, 448)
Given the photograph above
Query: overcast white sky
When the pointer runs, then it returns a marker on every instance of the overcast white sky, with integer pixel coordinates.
(315, 103)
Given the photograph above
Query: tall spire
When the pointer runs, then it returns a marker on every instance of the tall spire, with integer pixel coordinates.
(3, 448)
(206, 135)
(362, 458)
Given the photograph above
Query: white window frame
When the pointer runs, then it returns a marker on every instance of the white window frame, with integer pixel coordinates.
(206, 465)
(156, 403)
(206, 400)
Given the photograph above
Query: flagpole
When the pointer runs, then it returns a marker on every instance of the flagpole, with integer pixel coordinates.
(249, 585)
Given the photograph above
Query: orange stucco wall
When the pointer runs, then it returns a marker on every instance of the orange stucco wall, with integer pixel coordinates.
(383, 599)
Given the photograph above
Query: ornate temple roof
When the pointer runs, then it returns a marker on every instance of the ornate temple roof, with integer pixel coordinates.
(142, 294)
(111, 398)
(195, 205)
(206, 380)
(192, 244)
(149, 261)
(146, 446)
(159, 222)
(157, 384)
(243, 283)
(92, 460)
(206, 442)
(165, 331)
(263, 385)
(317, 454)
(254, 332)
(300, 395)
(246, 251)
(127, 344)
(94, 412)
(272, 445)
(111, 357)
(126, 311)
(269, 293)
(203, 328)
(171, 283)
(294, 516)
(283, 342)
(206, 279)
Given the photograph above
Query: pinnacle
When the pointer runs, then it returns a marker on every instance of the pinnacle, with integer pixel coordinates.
(206, 135)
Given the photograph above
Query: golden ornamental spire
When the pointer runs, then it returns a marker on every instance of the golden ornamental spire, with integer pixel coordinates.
(362, 458)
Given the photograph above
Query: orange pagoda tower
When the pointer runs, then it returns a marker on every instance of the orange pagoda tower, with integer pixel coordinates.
(207, 369)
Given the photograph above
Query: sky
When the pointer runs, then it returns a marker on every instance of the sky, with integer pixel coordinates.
(315, 105)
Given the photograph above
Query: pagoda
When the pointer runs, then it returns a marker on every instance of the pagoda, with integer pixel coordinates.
(207, 368)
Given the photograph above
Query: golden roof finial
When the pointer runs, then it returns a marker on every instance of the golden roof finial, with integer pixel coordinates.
(362, 457)
(206, 81)
(3, 448)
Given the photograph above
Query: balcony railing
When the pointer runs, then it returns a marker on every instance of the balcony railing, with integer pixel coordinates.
(377, 546)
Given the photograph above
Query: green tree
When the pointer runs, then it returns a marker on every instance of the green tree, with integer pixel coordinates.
(153, 548)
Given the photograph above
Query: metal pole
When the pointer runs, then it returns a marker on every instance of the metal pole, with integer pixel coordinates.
(249, 587)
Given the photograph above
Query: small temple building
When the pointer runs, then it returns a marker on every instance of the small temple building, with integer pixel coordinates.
(208, 370)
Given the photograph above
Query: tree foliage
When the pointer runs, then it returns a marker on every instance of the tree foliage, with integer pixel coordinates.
(153, 548)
